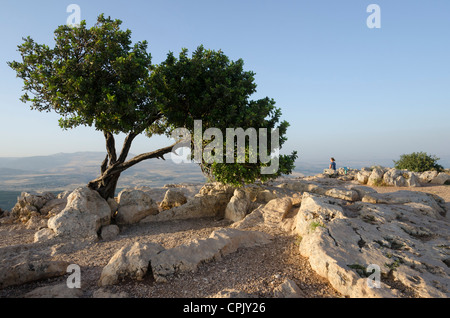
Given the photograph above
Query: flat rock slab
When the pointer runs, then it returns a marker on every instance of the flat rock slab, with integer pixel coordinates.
(134, 260)
(188, 257)
(30, 271)
(404, 235)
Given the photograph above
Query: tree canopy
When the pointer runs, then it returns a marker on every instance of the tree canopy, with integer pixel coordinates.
(418, 162)
(210, 87)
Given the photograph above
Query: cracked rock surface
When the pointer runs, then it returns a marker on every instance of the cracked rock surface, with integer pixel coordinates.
(404, 234)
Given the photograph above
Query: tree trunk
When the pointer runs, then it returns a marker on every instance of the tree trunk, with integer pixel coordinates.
(112, 167)
(106, 186)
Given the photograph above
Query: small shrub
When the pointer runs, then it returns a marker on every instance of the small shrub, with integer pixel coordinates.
(314, 225)
(360, 269)
(393, 266)
(418, 162)
(379, 182)
(298, 240)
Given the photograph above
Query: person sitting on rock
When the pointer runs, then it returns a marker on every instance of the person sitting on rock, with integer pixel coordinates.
(332, 164)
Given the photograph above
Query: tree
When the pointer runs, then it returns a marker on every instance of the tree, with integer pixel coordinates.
(210, 87)
(418, 162)
(95, 77)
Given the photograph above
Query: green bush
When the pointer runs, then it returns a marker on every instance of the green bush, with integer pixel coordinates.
(418, 162)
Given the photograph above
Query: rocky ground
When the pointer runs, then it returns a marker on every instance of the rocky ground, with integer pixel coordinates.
(256, 271)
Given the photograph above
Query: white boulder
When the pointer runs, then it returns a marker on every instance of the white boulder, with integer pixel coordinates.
(173, 198)
(134, 205)
(85, 213)
(441, 178)
(238, 206)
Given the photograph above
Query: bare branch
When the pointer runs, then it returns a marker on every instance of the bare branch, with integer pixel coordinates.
(119, 167)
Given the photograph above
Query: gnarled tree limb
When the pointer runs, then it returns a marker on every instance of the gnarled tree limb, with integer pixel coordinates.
(118, 167)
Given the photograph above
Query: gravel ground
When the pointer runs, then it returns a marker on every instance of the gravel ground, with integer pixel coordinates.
(256, 271)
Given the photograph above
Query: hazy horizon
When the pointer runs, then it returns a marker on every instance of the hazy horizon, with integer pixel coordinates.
(67, 171)
(355, 163)
(348, 91)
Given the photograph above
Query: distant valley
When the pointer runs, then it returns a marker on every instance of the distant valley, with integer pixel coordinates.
(63, 171)
(67, 171)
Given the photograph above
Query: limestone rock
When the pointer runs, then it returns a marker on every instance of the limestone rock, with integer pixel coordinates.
(411, 179)
(109, 232)
(252, 219)
(75, 224)
(362, 190)
(44, 235)
(238, 206)
(427, 202)
(134, 260)
(53, 207)
(134, 205)
(30, 204)
(36, 223)
(331, 173)
(394, 177)
(211, 201)
(216, 197)
(30, 271)
(113, 205)
(130, 261)
(405, 236)
(363, 176)
(427, 176)
(344, 194)
(304, 186)
(64, 194)
(173, 198)
(376, 177)
(187, 257)
(314, 212)
(265, 196)
(441, 178)
(275, 211)
(86, 211)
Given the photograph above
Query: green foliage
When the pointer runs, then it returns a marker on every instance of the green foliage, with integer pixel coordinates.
(360, 269)
(92, 77)
(418, 162)
(395, 264)
(314, 225)
(210, 87)
(298, 240)
(379, 182)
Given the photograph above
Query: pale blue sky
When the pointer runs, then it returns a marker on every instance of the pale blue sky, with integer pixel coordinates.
(348, 91)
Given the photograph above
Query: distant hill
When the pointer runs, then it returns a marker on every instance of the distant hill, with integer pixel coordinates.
(65, 171)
